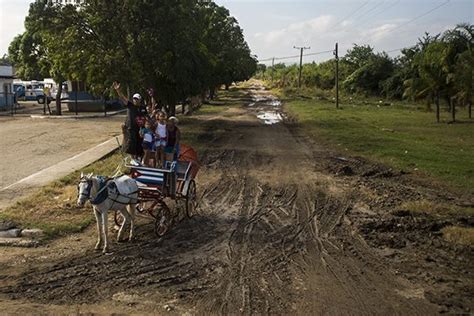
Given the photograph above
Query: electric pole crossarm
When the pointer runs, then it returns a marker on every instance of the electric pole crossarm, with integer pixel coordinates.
(301, 48)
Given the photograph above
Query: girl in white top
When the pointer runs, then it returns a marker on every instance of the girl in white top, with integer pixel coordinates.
(160, 143)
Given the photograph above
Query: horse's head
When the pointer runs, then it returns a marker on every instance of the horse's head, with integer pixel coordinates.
(84, 189)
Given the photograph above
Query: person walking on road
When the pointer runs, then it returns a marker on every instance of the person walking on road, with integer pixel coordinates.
(134, 121)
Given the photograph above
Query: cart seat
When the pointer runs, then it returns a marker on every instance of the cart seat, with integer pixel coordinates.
(182, 169)
(146, 176)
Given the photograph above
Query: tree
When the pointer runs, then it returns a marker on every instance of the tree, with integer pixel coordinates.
(463, 81)
(370, 76)
(357, 56)
(433, 70)
(27, 53)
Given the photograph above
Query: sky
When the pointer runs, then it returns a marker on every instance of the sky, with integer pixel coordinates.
(273, 27)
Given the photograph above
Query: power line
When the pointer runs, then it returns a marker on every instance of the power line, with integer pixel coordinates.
(422, 15)
(378, 12)
(370, 10)
(351, 14)
(411, 20)
(395, 50)
(296, 56)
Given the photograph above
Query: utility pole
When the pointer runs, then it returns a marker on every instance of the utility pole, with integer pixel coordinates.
(301, 48)
(273, 67)
(336, 54)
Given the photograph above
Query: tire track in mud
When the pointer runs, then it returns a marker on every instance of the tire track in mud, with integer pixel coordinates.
(268, 239)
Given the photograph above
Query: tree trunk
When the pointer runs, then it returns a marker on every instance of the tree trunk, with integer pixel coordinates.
(227, 86)
(437, 106)
(448, 101)
(212, 93)
(469, 108)
(172, 109)
(453, 111)
(58, 99)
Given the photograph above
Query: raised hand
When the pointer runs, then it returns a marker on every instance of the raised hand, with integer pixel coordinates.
(116, 85)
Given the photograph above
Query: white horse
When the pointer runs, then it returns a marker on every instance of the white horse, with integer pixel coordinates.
(117, 194)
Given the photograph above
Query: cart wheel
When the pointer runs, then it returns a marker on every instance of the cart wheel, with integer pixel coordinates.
(118, 218)
(162, 221)
(191, 199)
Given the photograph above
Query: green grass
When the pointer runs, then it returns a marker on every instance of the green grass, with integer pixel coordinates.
(400, 135)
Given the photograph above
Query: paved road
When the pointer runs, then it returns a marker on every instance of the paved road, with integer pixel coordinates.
(31, 145)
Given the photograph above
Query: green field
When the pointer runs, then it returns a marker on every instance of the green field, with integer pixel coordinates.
(399, 135)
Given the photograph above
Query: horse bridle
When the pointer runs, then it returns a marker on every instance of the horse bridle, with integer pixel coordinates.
(87, 190)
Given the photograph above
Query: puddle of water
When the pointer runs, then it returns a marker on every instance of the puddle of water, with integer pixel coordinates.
(259, 99)
(275, 103)
(265, 105)
(270, 118)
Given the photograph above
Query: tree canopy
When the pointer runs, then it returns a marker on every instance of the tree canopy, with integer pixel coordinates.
(178, 48)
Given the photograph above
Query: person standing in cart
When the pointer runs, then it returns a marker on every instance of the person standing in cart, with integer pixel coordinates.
(160, 136)
(134, 121)
(173, 136)
(146, 133)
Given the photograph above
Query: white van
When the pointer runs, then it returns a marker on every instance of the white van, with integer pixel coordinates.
(34, 90)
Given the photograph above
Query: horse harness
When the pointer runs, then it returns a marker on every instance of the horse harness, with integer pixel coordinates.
(103, 193)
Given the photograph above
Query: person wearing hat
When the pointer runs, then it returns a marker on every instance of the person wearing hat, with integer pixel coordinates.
(173, 136)
(134, 121)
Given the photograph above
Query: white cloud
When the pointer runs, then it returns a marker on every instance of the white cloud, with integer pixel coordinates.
(12, 16)
(300, 33)
(376, 34)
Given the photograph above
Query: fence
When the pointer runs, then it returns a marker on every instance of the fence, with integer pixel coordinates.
(7, 103)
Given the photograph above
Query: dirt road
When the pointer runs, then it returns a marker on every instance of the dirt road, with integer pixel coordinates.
(285, 226)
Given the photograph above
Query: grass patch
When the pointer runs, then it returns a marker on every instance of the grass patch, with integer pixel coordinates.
(436, 208)
(53, 207)
(399, 135)
(459, 235)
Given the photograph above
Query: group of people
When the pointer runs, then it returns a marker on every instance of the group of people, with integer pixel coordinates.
(148, 134)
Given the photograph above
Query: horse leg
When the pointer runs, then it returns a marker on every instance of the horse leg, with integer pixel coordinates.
(126, 220)
(131, 211)
(98, 219)
(104, 227)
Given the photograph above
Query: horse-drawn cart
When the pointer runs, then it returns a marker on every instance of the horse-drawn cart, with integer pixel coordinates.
(158, 185)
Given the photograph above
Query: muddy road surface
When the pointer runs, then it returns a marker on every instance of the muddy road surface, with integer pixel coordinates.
(284, 226)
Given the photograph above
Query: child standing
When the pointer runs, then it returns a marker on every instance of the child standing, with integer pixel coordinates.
(147, 134)
(161, 136)
(172, 140)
